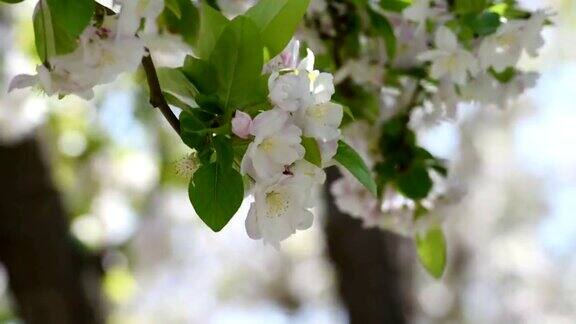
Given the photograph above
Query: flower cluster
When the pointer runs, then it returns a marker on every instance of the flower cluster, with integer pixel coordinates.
(284, 181)
(481, 68)
(105, 50)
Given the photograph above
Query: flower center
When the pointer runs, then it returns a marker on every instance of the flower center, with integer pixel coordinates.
(505, 42)
(276, 204)
(267, 145)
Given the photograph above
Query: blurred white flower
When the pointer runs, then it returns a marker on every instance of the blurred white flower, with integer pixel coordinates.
(419, 12)
(132, 13)
(449, 59)
(101, 56)
(504, 48)
(488, 91)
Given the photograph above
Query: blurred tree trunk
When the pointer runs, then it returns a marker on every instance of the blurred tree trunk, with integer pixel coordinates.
(45, 267)
(373, 273)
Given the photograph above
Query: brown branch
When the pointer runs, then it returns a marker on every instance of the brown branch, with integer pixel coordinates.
(157, 99)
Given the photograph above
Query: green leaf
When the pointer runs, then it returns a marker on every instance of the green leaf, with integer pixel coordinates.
(350, 160)
(395, 5)
(224, 150)
(237, 58)
(385, 30)
(174, 7)
(175, 82)
(182, 17)
(216, 193)
(212, 24)
(194, 128)
(486, 23)
(313, 154)
(414, 183)
(201, 73)
(58, 23)
(504, 76)
(277, 21)
(431, 247)
(177, 102)
(11, 1)
(470, 6)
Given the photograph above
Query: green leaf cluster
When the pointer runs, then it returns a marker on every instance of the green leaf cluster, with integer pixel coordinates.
(405, 165)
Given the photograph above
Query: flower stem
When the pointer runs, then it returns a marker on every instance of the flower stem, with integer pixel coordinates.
(157, 99)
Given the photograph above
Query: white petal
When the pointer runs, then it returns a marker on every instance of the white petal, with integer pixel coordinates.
(307, 64)
(305, 220)
(22, 81)
(269, 122)
(445, 39)
(251, 223)
(323, 88)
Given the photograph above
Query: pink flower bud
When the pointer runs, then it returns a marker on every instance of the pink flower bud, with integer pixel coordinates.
(242, 124)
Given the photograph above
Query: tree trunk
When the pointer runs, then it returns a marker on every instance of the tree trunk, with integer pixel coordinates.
(45, 267)
(373, 272)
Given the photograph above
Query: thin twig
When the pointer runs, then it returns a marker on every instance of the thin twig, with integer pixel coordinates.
(157, 99)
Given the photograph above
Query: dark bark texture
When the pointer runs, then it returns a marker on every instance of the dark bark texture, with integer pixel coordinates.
(46, 269)
(373, 267)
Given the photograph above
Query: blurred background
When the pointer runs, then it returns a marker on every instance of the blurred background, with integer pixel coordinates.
(112, 223)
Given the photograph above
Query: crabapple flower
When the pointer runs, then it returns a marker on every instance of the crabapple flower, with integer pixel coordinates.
(321, 121)
(188, 165)
(281, 208)
(419, 12)
(283, 181)
(242, 124)
(321, 83)
(353, 199)
(486, 90)
(290, 91)
(504, 48)
(449, 59)
(59, 80)
(100, 57)
(276, 145)
(106, 54)
(132, 13)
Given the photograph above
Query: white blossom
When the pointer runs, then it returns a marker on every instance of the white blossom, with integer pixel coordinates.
(290, 91)
(504, 48)
(449, 59)
(276, 145)
(100, 57)
(321, 121)
(353, 199)
(281, 208)
(419, 12)
(132, 13)
(486, 90)
(58, 80)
